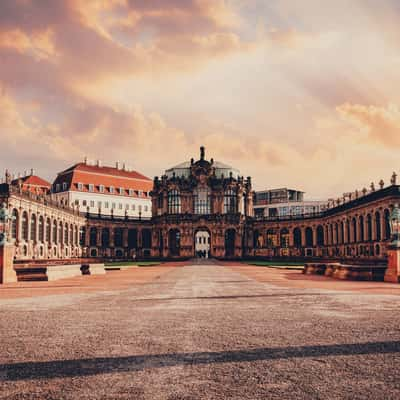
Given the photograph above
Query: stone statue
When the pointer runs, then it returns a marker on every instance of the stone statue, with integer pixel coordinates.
(381, 183)
(4, 218)
(393, 178)
(372, 187)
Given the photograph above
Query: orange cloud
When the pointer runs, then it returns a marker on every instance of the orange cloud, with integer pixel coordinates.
(381, 124)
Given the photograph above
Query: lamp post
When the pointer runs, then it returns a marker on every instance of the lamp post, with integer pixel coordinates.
(392, 273)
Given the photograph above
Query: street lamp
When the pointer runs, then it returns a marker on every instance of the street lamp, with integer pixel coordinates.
(394, 221)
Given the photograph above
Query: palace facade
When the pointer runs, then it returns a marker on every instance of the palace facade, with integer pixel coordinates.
(202, 208)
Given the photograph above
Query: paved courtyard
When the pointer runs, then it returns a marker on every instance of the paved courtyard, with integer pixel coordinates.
(199, 332)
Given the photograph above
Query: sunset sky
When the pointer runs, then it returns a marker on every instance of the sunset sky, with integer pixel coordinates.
(301, 93)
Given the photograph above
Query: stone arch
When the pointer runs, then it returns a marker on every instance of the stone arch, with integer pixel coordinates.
(297, 237)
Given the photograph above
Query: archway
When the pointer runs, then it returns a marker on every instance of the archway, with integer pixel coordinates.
(174, 241)
(202, 243)
(230, 235)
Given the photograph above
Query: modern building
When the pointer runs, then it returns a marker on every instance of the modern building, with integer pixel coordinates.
(285, 202)
(96, 189)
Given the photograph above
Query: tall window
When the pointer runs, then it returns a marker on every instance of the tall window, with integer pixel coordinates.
(33, 227)
(55, 232)
(48, 230)
(14, 224)
(202, 203)
(41, 229)
(174, 202)
(230, 202)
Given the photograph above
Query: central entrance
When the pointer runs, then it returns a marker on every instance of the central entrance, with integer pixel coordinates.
(202, 243)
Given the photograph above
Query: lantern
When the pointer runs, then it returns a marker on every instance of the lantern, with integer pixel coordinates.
(395, 225)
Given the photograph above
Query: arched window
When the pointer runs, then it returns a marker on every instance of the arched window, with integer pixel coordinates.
(342, 238)
(348, 239)
(55, 232)
(82, 236)
(93, 236)
(33, 227)
(60, 233)
(309, 237)
(71, 235)
(297, 237)
(174, 202)
(201, 200)
(76, 236)
(369, 227)
(14, 224)
(105, 237)
(48, 230)
(41, 229)
(146, 238)
(378, 226)
(354, 233)
(336, 233)
(284, 239)
(174, 242)
(256, 239)
(66, 234)
(230, 202)
(230, 235)
(118, 237)
(132, 239)
(320, 235)
(24, 225)
(361, 223)
(387, 224)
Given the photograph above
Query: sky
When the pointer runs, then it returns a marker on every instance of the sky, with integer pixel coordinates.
(301, 94)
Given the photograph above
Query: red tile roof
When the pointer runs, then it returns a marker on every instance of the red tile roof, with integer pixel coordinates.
(32, 180)
(105, 176)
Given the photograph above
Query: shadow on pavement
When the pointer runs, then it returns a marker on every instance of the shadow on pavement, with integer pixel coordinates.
(94, 366)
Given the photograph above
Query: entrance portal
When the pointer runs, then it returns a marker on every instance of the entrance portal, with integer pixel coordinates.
(202, 244)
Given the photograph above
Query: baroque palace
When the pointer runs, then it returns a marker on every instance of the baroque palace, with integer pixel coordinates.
(196, 209)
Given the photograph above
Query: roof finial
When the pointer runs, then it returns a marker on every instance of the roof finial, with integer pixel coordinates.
(202, 152)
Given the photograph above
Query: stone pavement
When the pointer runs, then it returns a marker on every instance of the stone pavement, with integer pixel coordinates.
(198, 332)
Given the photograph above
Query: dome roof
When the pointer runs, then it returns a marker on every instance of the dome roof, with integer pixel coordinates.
(183, 169)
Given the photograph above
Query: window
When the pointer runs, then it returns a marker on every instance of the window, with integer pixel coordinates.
(99, 204)
(84, 203)
(121, 190)
(133, 207)
(126, 206)
(33, 227)
(64, 186)
(57, 187)
(120, 206)
(80, 186)
(77, 202)
(14, 224)
(91, 187)
(202, 203)
(174, 202)
(140, 192)
(106, 204)
(146, 208)
(101, 188)
(91, 203)
(230, 202)
(131, 192)
(111, 189)
(113, 206)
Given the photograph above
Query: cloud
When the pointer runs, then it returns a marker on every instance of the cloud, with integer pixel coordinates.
(380, 124)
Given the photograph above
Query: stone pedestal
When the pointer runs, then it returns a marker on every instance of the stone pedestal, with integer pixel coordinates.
(392, 273)
(7, 271)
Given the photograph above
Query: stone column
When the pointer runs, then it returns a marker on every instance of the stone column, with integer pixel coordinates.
(7, 271)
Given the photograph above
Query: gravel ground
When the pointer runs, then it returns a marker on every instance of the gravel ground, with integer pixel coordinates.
(201, 332)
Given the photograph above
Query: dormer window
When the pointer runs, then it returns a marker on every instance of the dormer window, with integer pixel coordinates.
(131, 192)
(80, 186)
(65, 185)
(101, 188)
(57, 187)
(140, 192)
(91, 187)
(121, 190)
(111, 189)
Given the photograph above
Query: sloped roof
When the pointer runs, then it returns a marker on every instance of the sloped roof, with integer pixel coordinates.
(32, 180)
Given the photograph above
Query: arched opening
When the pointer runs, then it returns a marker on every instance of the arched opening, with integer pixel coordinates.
(297, 238)
(309, 237)
(256, 239)
(93, 236)
(82, 236)
(118, 237)
(48, 230)
(132, 238)
(174, 242)
(387, 224)
(202, 243)
(369, 227)
(361, 231)
(378, 226)
(33, 227)
(24, 225)
(105, 238)
(230, 235)
(146, 242)
(354, 233)
(320, 235)
(14, 224)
